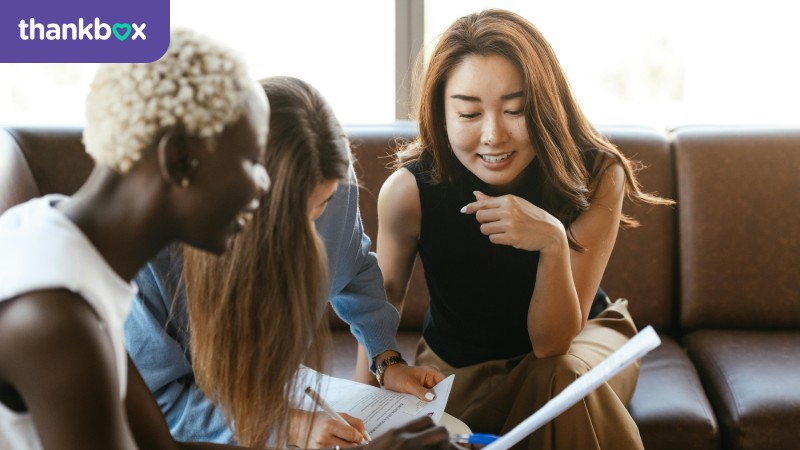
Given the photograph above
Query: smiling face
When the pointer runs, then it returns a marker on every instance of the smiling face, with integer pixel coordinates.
(486, 126)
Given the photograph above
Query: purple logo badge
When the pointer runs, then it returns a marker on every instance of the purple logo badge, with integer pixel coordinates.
(82, 31)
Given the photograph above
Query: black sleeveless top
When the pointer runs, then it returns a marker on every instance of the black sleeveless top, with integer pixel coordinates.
(479, 291)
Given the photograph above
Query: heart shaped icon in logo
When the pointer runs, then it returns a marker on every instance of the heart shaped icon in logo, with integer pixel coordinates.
(121, 26)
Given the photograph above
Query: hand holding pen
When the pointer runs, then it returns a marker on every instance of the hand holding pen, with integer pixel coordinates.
(361, 433)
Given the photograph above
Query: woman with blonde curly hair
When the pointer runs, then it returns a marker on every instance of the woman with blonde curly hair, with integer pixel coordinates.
(177, 145)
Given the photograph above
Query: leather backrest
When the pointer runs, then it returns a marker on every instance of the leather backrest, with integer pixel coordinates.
(372, 147)
(16, 180)
(36, 161)
(739, 226)
(643, 266)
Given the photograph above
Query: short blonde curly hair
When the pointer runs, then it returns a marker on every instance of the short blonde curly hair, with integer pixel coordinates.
(199, 86)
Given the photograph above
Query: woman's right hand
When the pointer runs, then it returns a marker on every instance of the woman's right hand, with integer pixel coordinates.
(417, 434)
(516, 222)
(324, 431)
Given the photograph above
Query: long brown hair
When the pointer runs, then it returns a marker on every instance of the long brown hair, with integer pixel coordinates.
(256, 312)
(557, 127)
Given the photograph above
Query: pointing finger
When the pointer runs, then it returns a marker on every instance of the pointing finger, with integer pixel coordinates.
(480, 195)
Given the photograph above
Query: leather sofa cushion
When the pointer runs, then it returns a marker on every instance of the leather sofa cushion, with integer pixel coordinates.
(739, 220)
(753, 382)
(669, 404)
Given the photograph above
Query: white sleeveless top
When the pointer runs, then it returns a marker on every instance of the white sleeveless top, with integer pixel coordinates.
(42, 249)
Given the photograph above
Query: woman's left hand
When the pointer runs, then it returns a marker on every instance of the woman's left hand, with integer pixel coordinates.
(414, 380)
(511, 220)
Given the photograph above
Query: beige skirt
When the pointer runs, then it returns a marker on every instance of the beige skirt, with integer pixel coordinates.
(494, 396)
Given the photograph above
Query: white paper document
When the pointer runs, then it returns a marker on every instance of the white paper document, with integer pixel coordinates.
(380, 409)
(638, 346)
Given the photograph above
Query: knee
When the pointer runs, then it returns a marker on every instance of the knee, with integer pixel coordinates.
(562, 370)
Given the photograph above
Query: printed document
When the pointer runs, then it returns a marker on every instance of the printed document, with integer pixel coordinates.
(380, 409)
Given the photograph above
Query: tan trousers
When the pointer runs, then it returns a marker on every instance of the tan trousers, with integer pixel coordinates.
(494, 396)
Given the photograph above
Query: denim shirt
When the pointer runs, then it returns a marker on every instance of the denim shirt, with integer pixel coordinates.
(156, 330)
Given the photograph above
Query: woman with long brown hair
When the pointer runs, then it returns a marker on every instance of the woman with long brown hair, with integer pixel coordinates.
(513, 202)
(256, 313)
(246, 322)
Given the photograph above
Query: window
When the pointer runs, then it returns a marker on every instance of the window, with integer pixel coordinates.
(43, 94)
(344, 51)
(680, 62)
(629, 62)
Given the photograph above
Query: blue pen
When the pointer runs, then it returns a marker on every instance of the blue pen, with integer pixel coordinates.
(474, 438)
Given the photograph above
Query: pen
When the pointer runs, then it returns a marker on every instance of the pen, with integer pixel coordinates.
(331, 412)
(474, 438)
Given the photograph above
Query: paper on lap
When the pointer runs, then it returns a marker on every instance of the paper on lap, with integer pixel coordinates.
(380, 409)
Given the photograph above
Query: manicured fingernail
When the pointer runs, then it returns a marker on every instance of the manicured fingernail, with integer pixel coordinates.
(429, 395)
(464, 210)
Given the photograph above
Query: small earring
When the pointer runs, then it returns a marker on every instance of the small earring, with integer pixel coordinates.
(194, 163)
(185, 182)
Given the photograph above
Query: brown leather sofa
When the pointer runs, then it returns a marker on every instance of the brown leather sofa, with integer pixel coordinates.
(717, 275)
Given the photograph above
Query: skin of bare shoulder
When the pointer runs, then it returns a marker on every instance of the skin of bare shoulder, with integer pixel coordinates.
(610, 185)
(399, 197)
(57, 328)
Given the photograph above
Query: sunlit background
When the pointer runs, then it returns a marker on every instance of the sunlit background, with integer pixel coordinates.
(656, 63)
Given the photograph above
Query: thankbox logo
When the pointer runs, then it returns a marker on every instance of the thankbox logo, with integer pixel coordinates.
(31, 30)
(84, 31)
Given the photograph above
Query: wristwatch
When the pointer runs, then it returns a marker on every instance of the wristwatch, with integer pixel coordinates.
(386, 362)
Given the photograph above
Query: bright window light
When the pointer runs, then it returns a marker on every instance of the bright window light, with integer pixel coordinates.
(344, 50)
(665, 63)
(653, 63)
